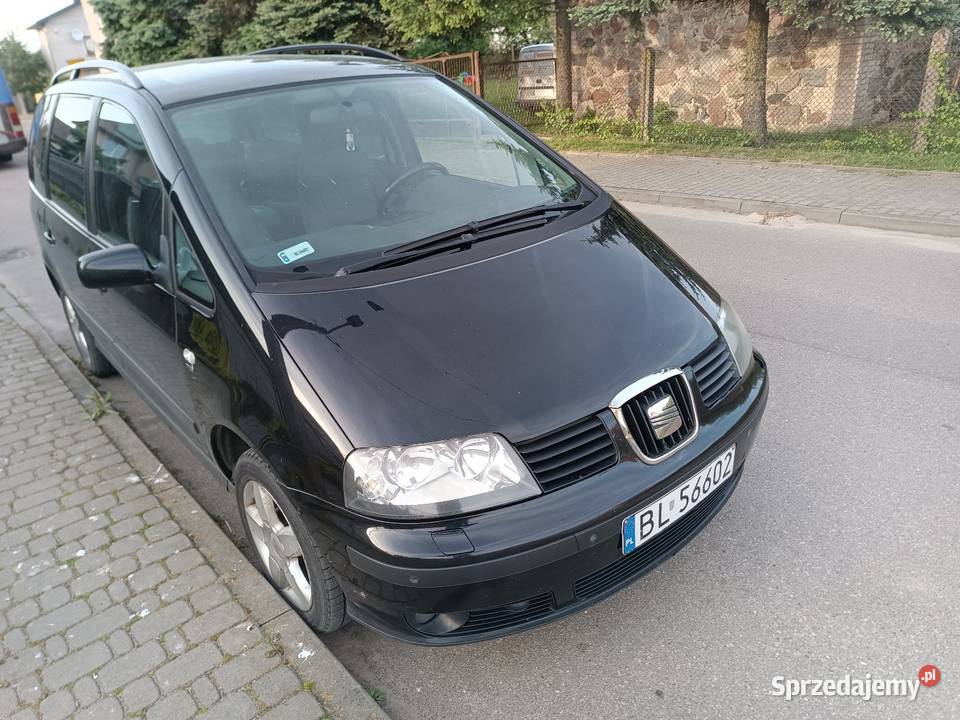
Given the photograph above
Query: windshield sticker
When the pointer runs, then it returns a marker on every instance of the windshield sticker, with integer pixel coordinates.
(295, 252)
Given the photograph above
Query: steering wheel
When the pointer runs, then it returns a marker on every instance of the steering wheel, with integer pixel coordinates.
(389, 192)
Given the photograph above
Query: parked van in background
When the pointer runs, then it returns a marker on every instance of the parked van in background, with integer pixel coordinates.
(11, 132)
(536, 76)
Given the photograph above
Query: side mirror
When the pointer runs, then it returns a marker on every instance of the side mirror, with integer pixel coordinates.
(119, 266)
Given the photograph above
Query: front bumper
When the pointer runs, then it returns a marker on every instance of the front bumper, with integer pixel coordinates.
(513, 568)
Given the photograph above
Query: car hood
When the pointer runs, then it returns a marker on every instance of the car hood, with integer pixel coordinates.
(520, 343)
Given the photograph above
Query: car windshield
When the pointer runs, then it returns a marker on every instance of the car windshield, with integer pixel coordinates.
(310, 178)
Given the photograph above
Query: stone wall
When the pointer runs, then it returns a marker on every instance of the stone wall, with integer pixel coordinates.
(816, 78)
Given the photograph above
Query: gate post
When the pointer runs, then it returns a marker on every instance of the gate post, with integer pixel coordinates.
(646, 93)
(477, 74)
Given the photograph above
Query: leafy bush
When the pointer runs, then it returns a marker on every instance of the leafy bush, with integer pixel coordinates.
(697, 134)
(879, 141)
(890, 140)
(943, 130)
(886, 146)
(663, 114)
(941, 126)
(665, 128)
(555, 120)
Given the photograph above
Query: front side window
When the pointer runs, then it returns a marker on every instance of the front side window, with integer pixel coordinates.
(312, 178)
(190, 278)
(127, 190)
(67, 176)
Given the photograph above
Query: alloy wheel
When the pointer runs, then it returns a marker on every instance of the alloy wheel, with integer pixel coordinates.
(277, 544)
(79, 334)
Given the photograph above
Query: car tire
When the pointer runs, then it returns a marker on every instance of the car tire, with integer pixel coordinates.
(92, 359)
(6, 158)
(286, 553)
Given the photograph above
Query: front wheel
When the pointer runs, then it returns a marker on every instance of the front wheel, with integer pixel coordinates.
(93, 360)
(285, 550)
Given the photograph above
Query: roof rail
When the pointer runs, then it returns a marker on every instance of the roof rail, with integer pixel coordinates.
(72, 72)
(340, 48)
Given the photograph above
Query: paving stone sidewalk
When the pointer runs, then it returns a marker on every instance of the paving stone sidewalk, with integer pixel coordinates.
(926, 202)
(108, 609)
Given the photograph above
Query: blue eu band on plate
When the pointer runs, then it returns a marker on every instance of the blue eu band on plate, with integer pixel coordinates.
(655, 517)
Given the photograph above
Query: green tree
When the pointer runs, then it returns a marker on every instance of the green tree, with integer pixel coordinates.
(139, 32)
(290, 22)
(26, 71)
(476, 38)
(214, 25)
(451, 24)
(439, 26)
(442, 26)
(539, 27)
(893, 18)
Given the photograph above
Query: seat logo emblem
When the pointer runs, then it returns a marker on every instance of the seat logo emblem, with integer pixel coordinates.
(664, 417)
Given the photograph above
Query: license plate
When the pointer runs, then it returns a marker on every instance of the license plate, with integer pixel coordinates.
(645, 525)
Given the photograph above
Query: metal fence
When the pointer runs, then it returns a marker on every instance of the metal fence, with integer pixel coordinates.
(847, 91)
(845, 83)
(463, 68)
(520, 88)
(848, 83)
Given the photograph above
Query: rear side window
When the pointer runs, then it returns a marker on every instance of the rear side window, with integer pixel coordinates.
(32, 168)
(127, 191)
(67, 177)
(38, 159)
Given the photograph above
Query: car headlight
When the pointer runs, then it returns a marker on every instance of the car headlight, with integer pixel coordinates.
(736, 335)
(436, 479)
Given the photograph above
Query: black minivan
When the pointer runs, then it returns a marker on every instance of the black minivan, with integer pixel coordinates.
(457, 390)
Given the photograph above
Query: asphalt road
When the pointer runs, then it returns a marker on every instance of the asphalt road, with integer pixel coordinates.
(838, 554)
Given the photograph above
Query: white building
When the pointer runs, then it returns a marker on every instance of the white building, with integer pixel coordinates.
(95, 25)
(65, 36)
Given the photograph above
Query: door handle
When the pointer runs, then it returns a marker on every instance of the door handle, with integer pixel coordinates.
(48, 236)
(189, 358)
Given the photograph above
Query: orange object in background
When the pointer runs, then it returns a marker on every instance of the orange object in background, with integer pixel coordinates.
(15, 127)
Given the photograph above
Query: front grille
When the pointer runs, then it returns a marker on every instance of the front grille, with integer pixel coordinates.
(639, 424)
(716, 372)
(648, 555)
(570, 453)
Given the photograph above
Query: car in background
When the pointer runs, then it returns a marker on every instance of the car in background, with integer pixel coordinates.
(12, 139)
(536, 76)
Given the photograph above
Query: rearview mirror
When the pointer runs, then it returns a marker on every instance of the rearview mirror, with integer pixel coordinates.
(119, 266)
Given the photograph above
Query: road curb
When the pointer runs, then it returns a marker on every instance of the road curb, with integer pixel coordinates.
(900, 224)
(814, 214)
(339, 691)
(743, 206)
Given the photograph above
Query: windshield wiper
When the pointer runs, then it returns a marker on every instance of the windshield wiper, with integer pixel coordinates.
(463, 237)
(477, 226)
